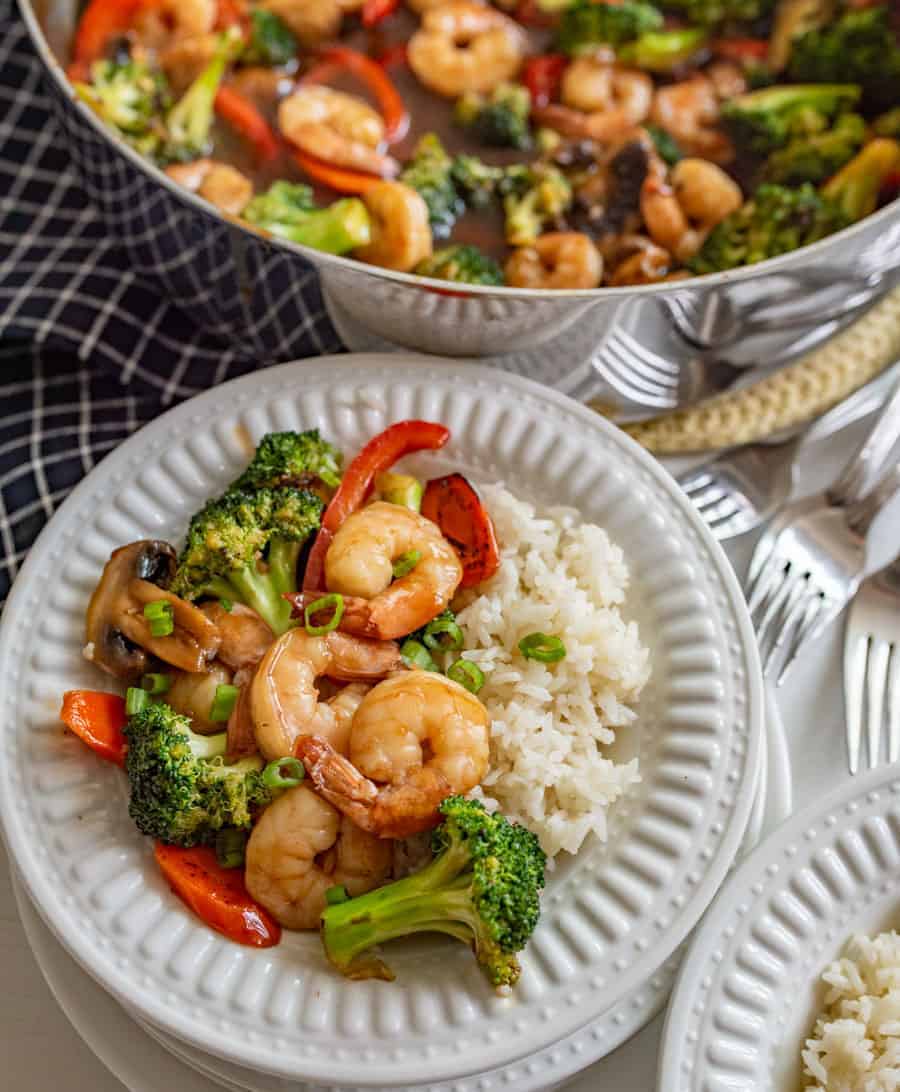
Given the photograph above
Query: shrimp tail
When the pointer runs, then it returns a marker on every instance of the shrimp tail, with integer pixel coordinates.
(357, 618)
(395, 811)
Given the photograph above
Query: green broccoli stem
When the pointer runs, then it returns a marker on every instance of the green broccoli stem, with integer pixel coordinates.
(664, 51)
(435, 899)
(190, 119)
(342, 226)
(263, 592)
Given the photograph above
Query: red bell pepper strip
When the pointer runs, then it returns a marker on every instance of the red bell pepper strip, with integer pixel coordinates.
(375, 10)
(393, 56)
(245, 119)
(455, 507)
(379, 455)
(373, 75)
(97, 718)
(102, 20)
(217, 895)
(543, 76)
(741, 49)
(341, 179)
(232, 13)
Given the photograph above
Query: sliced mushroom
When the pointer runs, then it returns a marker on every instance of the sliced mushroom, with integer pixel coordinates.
(118, 636)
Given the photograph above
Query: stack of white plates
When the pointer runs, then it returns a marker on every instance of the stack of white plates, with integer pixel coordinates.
(613, 916)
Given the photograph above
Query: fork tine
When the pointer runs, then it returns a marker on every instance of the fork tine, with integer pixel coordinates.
(792, 606)
(628, 344)
(632, 387)
(775, 608)
(819, 618)
(855, 656)
(711, 496)
(653, 369)
(692, 480)
(893, 706)
(771, 580)
(876, 680)
(761, 555)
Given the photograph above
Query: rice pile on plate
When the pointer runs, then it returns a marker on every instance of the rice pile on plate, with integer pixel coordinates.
(552, 722)
(855, 1045)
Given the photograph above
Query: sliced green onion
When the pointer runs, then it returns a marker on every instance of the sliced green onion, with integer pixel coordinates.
(226, 604)
(161, 617)
(466, 674)
(336, 894)
(538, 646)
(283, 773)
(135, 700)
(443, 634)
(223, 702)
(336, 601)
(231, 846)
(415, 654)
(156, 684)
(405, 563)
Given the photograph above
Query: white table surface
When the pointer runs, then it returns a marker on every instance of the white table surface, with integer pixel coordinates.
(40, 1051)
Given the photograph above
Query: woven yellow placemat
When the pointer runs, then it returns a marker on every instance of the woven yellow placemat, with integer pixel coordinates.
(797, 393)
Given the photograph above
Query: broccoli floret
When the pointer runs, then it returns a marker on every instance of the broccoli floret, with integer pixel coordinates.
(666, 145)
(271, 41)
(466, 264)
(761, 121)
(533, 196)
(476, 182)
(190, 120)
(429, 172)
(855, 188)
(859, 47)
(499, 119)
(716, 12)
(817, 157)
(665, 51)
(775, 221)
(287, 210)
(182, 790)
(132, 98)
(587, 24)
(292, 458)
(231, 534)
(483, 887)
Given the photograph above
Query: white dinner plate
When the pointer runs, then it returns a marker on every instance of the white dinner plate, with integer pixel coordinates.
(747, 995)
(611, 915)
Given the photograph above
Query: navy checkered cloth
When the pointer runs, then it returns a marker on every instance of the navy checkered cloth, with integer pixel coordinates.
(87, 352)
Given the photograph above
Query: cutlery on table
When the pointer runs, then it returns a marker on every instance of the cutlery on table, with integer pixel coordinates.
(872, 668)
(810, 560)
(740, 489)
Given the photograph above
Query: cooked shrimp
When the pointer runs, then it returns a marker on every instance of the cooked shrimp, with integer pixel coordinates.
(401, 233)
(164, 22)
(560, 259)
(681, 213)
(193, 693)
(336, 127)
(245, 637)
(462, 46)
(313, 21)
(284, 699)
(648, 264)
(416, 739)
(219, 183)
(299, 848)
(727, 78)
(600, 101)
(689, 111)
(359, 564)
(186, 57)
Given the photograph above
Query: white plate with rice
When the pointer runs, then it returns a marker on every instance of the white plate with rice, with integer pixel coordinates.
(793, 979)
(611, 552)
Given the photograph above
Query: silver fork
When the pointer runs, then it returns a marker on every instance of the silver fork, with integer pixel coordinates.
(741, 489)
(646, 378)
(872, 668)
(808, 566)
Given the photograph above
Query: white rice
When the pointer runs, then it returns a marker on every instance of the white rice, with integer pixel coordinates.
(855, 1045)
(552, 723)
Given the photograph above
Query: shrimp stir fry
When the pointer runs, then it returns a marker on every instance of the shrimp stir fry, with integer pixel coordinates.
(336, 127)
(415, 739)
